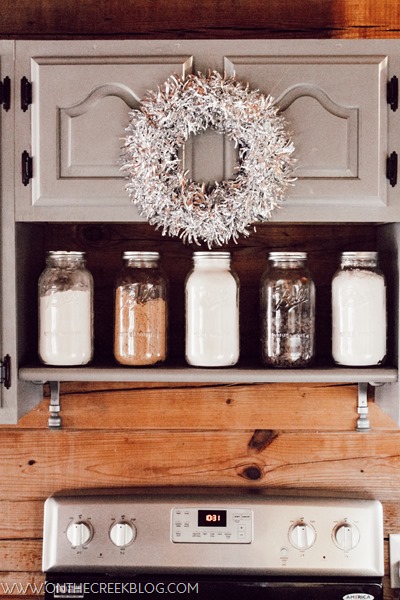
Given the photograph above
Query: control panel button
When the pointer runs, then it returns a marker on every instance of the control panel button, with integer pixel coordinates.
(302, 535)
(79, 533)
(122, 533)
(346, 536)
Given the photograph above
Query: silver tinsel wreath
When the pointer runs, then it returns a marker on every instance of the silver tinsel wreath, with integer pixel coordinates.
(163, 192)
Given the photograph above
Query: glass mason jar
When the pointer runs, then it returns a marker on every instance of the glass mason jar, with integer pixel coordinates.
(65, 290)
(141, 310)
(287, 305)
(359, 311)
(212, 311)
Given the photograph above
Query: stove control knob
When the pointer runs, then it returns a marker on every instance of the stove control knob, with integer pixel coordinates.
(346, 536)
(302, 535)
(122, 534)
(79, 533)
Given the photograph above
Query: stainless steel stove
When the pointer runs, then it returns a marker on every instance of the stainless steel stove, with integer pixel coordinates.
(213, 545)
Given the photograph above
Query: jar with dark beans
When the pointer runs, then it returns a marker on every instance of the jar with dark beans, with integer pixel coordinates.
(287, 302)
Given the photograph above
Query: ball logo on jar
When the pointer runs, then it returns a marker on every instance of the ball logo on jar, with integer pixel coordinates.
(138, 292)
(287, 298)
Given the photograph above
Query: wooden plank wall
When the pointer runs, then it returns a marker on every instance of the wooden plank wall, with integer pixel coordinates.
(280, 437)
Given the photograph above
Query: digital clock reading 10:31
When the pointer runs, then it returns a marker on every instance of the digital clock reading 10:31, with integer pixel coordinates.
(212, 518)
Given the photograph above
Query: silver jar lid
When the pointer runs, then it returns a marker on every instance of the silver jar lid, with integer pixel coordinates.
(65, 254)
(287, 255)
(209, 258)
(136, 255)
(359, 255)
(211, 254)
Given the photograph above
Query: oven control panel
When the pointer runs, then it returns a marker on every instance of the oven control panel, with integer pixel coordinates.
(212, 525)
(247, 534)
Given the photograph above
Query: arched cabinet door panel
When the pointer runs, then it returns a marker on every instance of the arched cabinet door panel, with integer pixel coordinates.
(81, 100)
(335, 105)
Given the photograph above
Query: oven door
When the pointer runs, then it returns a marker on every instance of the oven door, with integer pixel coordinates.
(73, 586)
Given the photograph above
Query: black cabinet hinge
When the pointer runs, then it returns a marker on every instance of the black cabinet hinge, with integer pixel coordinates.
(392, 93)
(5, 371)
(391, 168)
(26, 93)
(26, 167)
(5, 93)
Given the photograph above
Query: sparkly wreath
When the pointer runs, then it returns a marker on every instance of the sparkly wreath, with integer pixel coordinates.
(163, 192)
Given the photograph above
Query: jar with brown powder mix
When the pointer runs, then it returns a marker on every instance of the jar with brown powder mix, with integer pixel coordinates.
(141, 310)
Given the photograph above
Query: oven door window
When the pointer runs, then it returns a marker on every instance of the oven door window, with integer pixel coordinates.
(75, 586)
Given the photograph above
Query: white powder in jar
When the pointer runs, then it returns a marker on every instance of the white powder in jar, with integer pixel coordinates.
(358, 318)
(212, 319)
(65, 335)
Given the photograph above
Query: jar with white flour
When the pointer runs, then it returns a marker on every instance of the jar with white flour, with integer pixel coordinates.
(65, 310)
(212, 311)
(359, 311)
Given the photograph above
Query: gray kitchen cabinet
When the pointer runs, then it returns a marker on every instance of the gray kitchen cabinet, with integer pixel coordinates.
(61, 145)
(333, 95)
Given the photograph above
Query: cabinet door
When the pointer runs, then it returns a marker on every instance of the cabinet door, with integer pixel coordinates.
(81, 97)
(334, 98)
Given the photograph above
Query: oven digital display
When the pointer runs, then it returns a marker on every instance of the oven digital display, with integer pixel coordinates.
(211, 518)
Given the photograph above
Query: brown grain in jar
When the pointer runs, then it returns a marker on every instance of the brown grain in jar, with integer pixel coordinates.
(141, 311)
